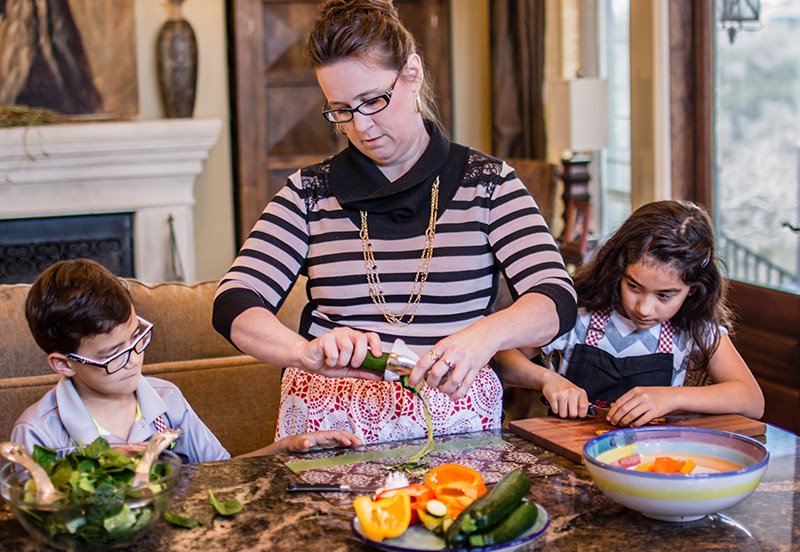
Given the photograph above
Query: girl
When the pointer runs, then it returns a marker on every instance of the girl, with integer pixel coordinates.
(651, 308)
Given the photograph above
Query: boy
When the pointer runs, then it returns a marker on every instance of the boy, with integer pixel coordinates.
(82, 316)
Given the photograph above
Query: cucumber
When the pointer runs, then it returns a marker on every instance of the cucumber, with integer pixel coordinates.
(490, 509)
(521, 519)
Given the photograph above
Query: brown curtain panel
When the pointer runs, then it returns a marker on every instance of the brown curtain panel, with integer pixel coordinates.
(517, 43)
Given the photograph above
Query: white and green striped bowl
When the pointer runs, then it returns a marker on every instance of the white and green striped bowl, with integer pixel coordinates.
(676, 497)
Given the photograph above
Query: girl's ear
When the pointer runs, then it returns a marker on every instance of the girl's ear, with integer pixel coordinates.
(58, 363)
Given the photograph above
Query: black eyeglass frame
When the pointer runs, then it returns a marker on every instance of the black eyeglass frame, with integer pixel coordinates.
(146, 336)
(330, 114)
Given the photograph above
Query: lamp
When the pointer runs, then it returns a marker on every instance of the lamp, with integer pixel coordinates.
(735, 13)
(578, 125)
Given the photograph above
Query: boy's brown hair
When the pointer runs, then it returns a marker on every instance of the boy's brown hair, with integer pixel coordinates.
(72, 300)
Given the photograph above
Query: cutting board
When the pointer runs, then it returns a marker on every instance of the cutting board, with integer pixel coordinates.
(566, 437)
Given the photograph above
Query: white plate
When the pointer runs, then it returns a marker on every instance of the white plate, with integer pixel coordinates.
(419, 539)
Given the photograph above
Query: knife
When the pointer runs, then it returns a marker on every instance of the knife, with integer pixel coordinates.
(326, 488)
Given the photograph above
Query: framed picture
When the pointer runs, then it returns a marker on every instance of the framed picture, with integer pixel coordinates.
(575, 238)
(71, 56)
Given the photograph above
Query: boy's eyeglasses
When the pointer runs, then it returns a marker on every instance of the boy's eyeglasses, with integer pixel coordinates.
(117, 361)
(367, 107)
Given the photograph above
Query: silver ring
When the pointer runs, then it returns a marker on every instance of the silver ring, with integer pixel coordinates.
(449, 364)
(435, 356)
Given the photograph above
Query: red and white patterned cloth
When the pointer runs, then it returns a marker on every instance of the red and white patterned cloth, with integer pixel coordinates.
(379, 411)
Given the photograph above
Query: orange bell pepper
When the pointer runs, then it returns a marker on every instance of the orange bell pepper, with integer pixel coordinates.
(419, 495)
(455, 485)
(385, 518)
(665, 464)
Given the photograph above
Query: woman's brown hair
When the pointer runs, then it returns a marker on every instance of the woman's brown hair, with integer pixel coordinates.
(366, 29)
(680, 235)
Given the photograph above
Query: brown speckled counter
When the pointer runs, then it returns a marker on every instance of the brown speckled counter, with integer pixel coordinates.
(582, 517)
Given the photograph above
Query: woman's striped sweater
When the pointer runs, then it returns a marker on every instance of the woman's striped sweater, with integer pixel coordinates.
(491, 224)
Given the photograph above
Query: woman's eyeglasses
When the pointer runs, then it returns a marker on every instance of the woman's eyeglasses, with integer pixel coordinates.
(368, 107)
(117, 361)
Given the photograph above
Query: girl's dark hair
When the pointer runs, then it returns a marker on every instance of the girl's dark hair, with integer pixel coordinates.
(366, 29)
(678, 234)
(72, 300)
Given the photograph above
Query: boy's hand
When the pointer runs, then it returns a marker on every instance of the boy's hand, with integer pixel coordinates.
(321, 439)
(640, 405)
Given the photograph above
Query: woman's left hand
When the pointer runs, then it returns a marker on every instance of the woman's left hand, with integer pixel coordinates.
(640, 405)
(452, 365)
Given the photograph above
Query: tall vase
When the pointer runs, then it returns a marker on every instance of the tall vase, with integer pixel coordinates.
(176, 54)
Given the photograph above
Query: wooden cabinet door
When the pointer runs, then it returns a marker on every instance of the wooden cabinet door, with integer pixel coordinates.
(276, 101)
(767, 338)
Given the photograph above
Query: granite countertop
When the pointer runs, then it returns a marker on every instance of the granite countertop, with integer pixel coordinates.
(582, 517)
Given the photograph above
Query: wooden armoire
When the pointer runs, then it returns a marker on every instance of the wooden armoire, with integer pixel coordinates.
(276, 102)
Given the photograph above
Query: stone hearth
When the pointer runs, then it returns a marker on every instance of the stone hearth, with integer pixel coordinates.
(147, 168)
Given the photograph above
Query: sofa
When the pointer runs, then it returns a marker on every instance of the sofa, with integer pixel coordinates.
(235, 395)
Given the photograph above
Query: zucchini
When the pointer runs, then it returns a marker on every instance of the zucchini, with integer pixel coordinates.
(376, 365)
(490, 509)
(521, 519)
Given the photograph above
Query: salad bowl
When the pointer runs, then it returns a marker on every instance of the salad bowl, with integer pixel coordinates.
(99, 507)
(720, 469)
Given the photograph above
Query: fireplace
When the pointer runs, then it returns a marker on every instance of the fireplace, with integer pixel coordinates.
(143, 170)
(28, 246)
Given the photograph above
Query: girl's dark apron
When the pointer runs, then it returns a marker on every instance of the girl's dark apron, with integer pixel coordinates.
(605, 377)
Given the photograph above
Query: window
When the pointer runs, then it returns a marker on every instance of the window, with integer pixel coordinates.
(615, 163)
(757, 147)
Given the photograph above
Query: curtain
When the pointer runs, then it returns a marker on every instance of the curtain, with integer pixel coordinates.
(517, 44)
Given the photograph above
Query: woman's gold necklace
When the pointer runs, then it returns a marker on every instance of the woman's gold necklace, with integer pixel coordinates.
(374, 279)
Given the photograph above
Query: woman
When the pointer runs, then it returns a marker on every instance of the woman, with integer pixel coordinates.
(402, 235)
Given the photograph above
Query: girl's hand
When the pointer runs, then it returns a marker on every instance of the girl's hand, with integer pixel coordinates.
(321, 440)
(340, 352)
(640, 405)
(566, 399)
(452, 364)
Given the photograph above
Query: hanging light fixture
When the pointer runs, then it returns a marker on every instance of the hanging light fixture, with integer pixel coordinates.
(739, 15)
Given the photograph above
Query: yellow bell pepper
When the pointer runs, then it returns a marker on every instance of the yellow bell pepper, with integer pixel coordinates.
(384, 518)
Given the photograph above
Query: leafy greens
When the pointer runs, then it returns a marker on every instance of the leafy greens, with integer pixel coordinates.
(99, 506)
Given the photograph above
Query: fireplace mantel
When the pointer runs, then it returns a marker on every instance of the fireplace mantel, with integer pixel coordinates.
(145, 167)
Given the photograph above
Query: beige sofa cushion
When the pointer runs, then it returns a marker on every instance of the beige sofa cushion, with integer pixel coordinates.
(20, 356)
(236, 397)
(181, 315)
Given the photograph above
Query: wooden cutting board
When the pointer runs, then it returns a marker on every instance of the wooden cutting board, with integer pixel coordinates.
(567, 437)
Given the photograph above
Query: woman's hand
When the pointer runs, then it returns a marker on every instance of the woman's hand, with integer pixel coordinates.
(566, 399)
(641, 405)
(340, 352)
(452, 365)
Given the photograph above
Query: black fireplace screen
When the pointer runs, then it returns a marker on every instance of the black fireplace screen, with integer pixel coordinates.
(28, 246)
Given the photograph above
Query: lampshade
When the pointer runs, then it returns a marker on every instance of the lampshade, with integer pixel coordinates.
(577, 114)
